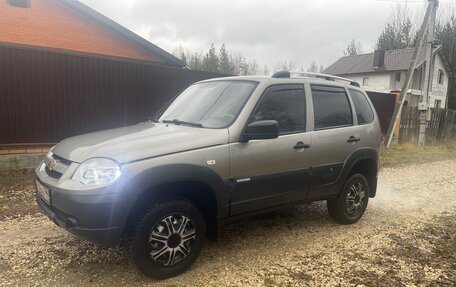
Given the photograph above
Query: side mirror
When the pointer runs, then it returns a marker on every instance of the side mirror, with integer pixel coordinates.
(261, 130)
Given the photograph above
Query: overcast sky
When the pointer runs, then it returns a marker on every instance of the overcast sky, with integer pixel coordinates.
(268, 31)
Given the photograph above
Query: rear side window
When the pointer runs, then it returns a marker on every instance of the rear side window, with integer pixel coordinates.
(363, 109)
(286, 105)
(331, 107)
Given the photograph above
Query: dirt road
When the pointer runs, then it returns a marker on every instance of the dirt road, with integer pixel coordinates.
(407, 237)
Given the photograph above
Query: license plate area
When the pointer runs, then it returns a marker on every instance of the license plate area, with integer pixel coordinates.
(43, 192)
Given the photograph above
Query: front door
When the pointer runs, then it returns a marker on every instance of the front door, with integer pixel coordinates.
(267, 173)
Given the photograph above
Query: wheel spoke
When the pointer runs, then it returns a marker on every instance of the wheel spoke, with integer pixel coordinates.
(357, 207)
(181, 228)
(188, 236)
(169, 225)
(182, 249)
(157, 237)
(351, 208)
(359, 187)
(159, 253)
(362, 193)
(172, 257)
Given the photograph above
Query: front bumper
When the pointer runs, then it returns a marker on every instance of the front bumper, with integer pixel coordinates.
(98, 218)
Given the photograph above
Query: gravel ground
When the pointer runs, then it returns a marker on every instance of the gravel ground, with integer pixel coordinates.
(406, 238)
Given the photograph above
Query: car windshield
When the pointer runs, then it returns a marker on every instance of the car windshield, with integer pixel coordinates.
(209, 104)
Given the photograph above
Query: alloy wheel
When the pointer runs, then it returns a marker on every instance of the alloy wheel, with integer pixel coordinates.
(172, 239)
(355, 200)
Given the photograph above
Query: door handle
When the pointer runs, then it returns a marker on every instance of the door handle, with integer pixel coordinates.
(353, 139)
(301, 145)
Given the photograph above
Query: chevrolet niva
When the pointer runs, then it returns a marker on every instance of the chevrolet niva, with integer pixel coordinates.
(224, 149)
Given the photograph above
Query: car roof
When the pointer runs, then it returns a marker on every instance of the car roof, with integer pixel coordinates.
(270, 80)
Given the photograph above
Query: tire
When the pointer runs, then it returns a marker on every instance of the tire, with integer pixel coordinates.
(159, 234)
(351, 203)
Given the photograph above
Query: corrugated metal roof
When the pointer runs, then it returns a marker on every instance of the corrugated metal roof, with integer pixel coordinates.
(395, 60)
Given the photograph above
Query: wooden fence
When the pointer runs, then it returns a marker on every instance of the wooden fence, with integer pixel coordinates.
(46, 96)
(441, 125)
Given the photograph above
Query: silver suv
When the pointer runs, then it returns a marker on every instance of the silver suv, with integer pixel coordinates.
(224, 149)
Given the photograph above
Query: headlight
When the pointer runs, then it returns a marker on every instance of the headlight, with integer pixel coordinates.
(49, 154)
(97, 171)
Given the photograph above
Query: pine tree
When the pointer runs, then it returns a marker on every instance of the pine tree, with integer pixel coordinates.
(195, 62)
(211, 61)
(244, 67)
(226, 65)
(352, 49)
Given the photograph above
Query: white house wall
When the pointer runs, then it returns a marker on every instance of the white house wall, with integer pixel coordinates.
(385, 82)
(378, 82)
(439, 91)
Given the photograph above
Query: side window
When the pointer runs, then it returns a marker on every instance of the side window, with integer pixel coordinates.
(286, 105)
(363, 109)
(331, 107)
(440, 77)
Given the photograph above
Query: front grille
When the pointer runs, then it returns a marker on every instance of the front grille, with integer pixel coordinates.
(56, 166)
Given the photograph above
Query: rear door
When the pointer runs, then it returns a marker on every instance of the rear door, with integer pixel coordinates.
(273, 172)
(334, 138)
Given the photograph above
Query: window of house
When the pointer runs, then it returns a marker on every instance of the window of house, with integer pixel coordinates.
(437, 103)
(331, 107)
(287, 105)
(398, 76)
(440, 77)
(366, 81)
(363, 110)
(20, 3)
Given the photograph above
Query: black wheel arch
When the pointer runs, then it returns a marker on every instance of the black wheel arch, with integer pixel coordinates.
(366, 162)
(184, 181)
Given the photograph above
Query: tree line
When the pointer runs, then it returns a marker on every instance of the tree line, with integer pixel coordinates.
(233, 63)
(399, 32)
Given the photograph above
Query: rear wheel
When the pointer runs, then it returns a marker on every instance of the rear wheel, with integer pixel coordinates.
(351, 203)
(167, 239)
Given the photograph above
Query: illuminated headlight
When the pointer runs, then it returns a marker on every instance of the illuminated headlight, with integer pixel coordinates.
(97, 171)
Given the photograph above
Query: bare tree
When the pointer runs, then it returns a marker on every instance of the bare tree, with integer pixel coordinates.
(313, 67)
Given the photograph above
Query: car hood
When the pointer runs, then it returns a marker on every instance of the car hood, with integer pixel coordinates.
(144, 140)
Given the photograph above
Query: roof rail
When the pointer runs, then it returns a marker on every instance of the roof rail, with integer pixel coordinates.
(288, 74)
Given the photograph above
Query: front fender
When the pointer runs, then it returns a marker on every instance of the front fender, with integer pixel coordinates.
(159, 175)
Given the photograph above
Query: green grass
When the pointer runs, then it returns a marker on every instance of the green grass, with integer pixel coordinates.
(408, 153)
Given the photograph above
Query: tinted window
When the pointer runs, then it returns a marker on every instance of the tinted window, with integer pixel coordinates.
(331, 107)
(286, 106)
(363, 110)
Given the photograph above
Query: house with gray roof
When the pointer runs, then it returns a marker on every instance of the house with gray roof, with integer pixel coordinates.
(385, 71)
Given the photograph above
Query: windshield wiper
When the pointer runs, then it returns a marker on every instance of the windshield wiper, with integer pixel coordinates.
(179, 122)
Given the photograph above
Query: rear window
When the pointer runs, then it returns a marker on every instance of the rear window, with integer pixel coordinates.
(331, 107)
(364, 111)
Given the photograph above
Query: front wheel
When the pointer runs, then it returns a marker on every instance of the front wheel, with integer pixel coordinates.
(351, 203)
(167, 239)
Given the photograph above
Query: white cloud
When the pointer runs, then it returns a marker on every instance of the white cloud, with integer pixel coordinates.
(268, 31)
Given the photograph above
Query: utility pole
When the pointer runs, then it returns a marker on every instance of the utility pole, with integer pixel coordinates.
(408, 78)
(423, 106)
